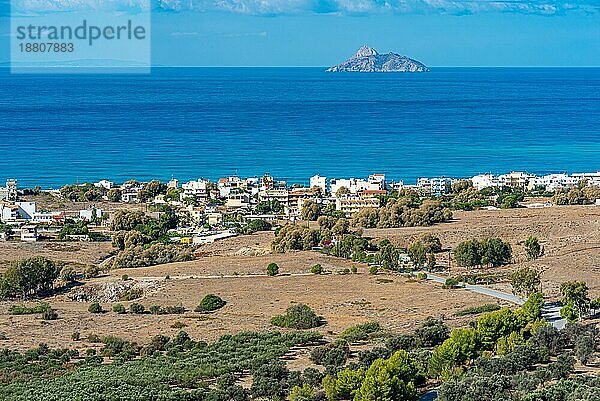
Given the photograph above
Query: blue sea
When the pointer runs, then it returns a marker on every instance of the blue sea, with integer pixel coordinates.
(296, 122)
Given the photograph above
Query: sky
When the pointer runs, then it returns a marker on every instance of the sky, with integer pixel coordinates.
(326, 32)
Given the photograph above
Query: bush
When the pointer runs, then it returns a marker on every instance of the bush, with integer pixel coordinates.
(272, 269)
(333, 356)
(210, 303)
(137, 308)
(68, 274)
(403, 341)
(354, 269)
(316, 269)
(28, 277)
(154, 254)
(585, 346)
(373, 270)
(432, 332)
(95, 307)
(178, 325)
(492, 252)
(131, 294)
(406, 211)
(422, 276)
(94, 338)
(451, 282)
(119, 308)
(50, 314)
(360, 332)
(24, 310)
(76, 336)
(91, 272)
(478, 309)
(297, 317)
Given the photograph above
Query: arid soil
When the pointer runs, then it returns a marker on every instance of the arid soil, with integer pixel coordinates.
(85, 253)
(342, 300)
(569, 234)
(235, 270)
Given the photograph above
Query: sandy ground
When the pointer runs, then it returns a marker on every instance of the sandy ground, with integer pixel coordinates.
(77, 252)
(570, 235)
(342, 300)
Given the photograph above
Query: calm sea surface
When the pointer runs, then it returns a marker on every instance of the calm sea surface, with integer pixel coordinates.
(293, 123)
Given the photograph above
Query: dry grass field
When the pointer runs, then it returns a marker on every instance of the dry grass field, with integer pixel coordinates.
(235, 268)
(569, 234)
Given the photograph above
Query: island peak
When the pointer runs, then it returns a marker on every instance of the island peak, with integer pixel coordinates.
(367, 59)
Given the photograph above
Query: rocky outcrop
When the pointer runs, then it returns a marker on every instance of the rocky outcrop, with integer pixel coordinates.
(368, 60)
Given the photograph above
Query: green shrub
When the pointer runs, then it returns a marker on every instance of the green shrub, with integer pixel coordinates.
(451, 282)
(272, 269)
(95, 307)
(119, 308)
(28, 277)
(68, 274)
(354, 269)
(478, 309)
(297, 317)
(210, 303)
(91, 272)
(131, 294)
(373, 270)
(422, 276)
(24, 310)
(316, 269)
(137, 308)
(360, 332)
(94, 338)
(50, 314)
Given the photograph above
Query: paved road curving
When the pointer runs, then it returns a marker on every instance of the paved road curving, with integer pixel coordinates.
(551, 311)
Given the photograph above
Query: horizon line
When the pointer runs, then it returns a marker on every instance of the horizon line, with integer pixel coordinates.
(8, 64)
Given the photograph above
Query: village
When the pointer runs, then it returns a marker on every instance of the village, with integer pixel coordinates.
(212, 210)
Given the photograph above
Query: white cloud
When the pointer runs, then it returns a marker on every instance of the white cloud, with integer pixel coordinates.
(277, 7)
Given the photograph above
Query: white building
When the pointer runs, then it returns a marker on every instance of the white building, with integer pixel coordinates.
(591, 178)
(379, 180)
(17, 212)
(351, 205)
(105, 184)
(198, 189)
(29, 233)
(282, 195)
(355, 185)
(552, 182)
(90, 214)
(436, 186)
(173, 184)
(130, 194)
(485, 181)
(516, 179)
(320, 182)
(9, 192)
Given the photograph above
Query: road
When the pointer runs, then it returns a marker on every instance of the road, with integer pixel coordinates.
(550, 312)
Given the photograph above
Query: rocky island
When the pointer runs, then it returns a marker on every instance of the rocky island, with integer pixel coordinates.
(368, 59)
